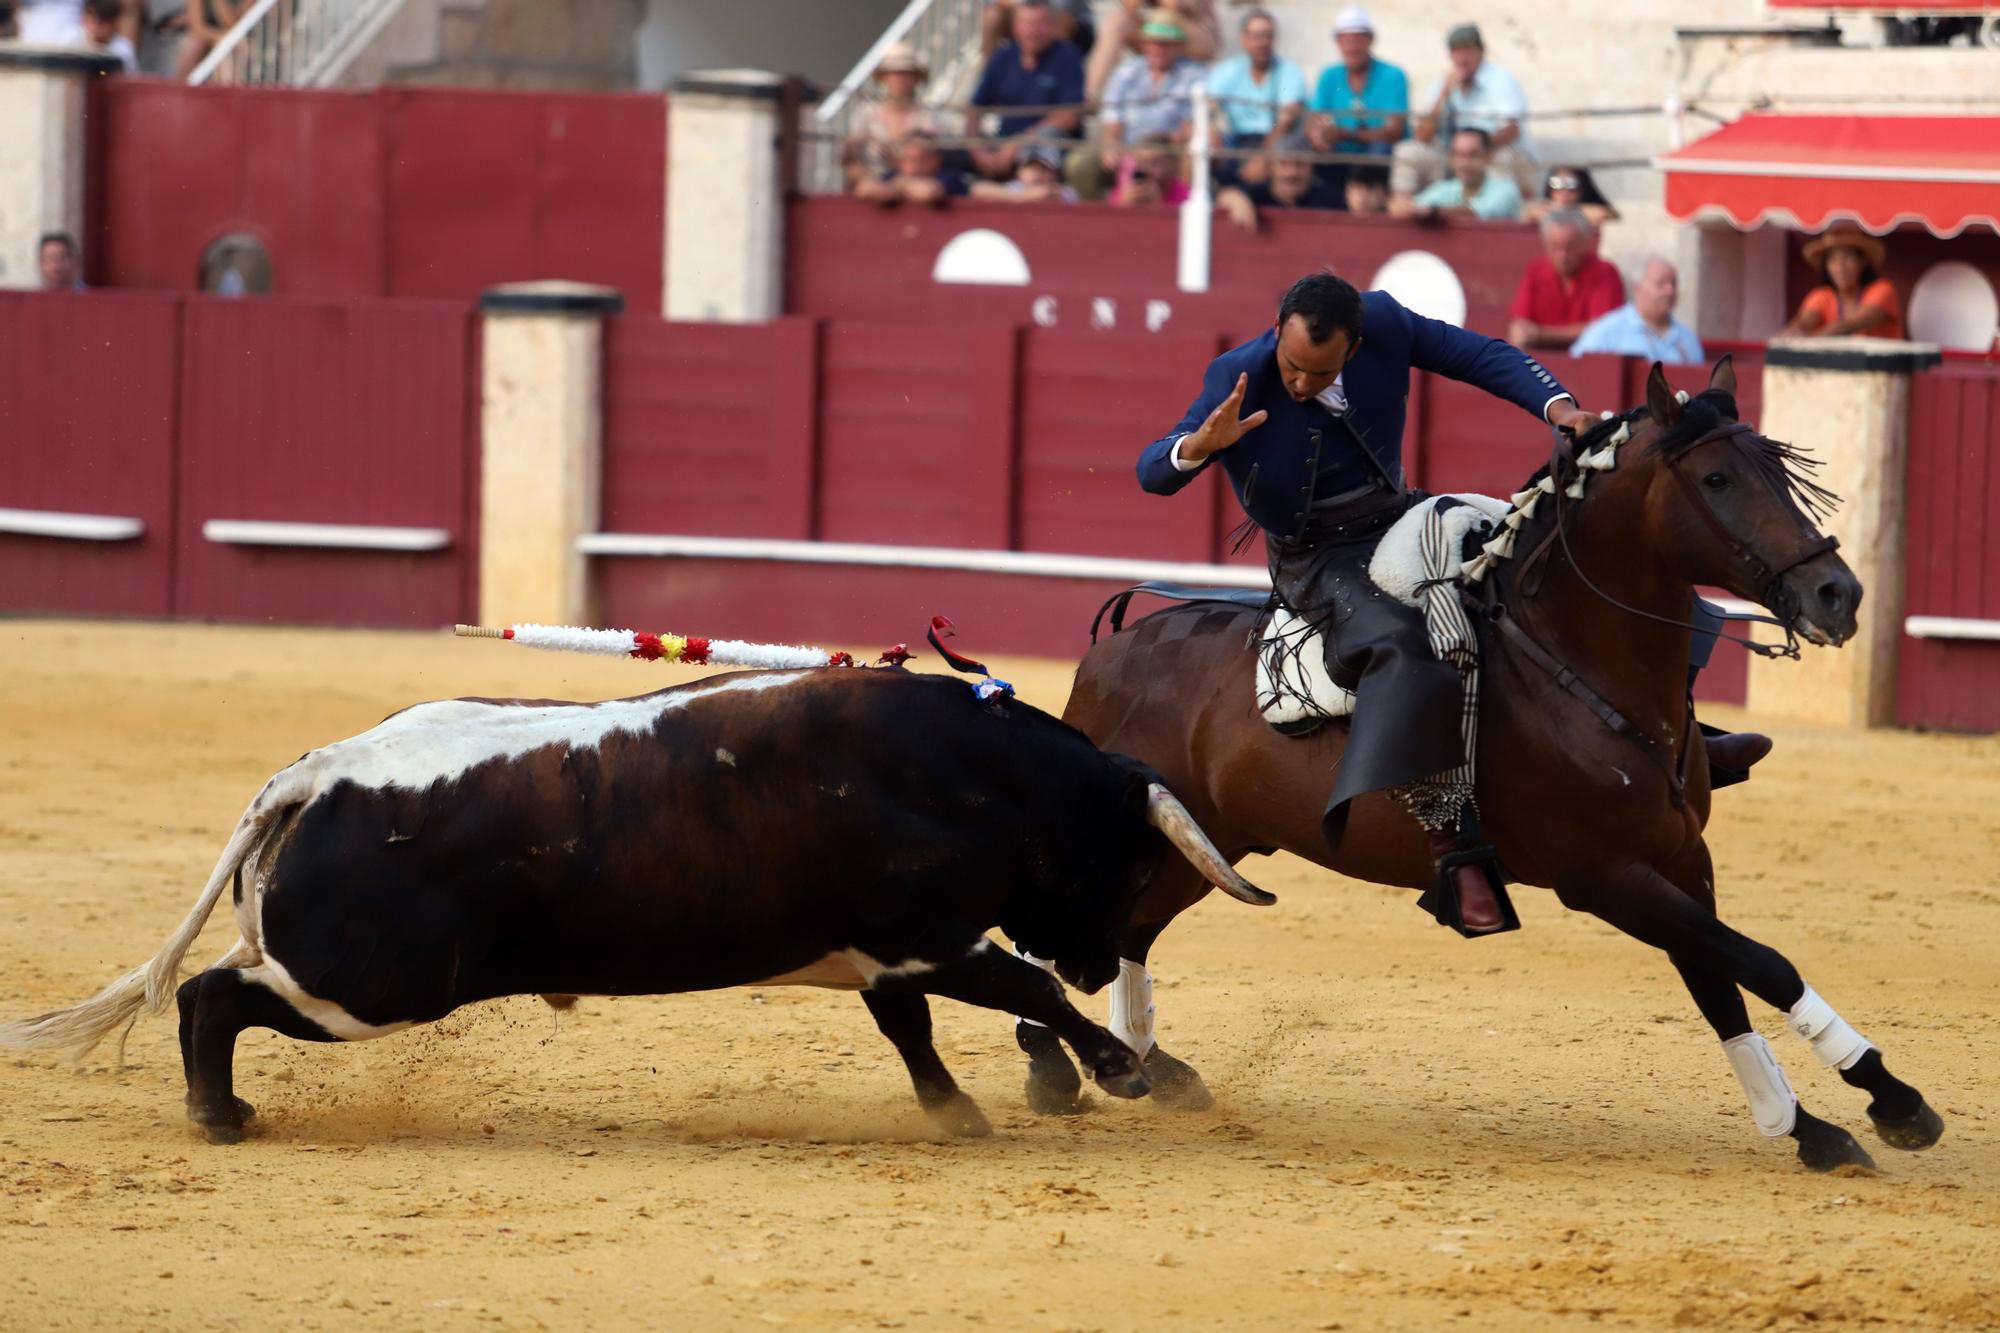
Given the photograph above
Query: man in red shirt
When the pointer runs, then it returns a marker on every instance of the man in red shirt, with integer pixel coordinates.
(1565, 289)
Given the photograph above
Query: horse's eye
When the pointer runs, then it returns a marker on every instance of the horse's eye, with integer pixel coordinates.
(1715, 481)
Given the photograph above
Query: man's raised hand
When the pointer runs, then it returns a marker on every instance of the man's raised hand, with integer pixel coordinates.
(1223, 427)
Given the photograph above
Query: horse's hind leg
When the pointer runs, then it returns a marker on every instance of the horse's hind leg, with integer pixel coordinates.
(216, 1007)
(906, 1021)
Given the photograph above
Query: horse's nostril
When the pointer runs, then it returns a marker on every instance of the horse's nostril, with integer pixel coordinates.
(1832, 595)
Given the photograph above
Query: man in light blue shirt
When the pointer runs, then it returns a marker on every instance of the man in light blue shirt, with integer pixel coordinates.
(1473, 189)
(1645, 326)
(1259, 94)
(1363, 104)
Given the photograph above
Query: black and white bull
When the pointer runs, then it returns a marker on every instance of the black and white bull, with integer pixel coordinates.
(855, 829)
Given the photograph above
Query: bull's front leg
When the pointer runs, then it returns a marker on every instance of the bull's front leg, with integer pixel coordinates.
(994, 979)
(906, 1021)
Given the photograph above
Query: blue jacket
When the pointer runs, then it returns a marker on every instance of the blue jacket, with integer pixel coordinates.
(1377, 383)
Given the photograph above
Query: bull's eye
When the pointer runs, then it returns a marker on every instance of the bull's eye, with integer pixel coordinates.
(1716, 481)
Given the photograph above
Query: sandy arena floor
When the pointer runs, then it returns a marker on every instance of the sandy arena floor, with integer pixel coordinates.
(1411, 1131)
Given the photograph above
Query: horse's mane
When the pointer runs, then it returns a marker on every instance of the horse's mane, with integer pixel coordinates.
(1785, 467)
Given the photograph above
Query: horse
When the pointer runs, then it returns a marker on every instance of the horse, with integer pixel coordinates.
(1592, 778)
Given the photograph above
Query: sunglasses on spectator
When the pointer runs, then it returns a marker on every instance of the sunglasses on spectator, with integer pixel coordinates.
(1564, 183)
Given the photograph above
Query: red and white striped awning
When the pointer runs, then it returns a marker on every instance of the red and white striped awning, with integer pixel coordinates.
(1807, 172)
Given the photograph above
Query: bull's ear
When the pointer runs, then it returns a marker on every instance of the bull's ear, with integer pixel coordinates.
(1660, 401)
(1723, 377)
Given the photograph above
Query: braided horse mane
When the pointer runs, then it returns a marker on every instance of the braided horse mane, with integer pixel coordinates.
(1533, 510)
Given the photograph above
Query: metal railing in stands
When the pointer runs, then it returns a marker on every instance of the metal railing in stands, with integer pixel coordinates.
(945, 36)
(294, 43)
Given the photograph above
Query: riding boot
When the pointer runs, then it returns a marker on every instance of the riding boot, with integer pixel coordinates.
(1469, 896)
(1731, 754)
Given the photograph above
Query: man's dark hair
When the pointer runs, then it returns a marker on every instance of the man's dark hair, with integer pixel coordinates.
(1376, 177)
(1485, 139)
(105, 10)
(1324, 303)
(61, 238)
(1256, 14)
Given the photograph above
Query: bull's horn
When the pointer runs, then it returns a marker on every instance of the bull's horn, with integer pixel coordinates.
(1165, 813)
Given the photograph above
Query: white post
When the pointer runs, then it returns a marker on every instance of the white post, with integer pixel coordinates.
(42, 151)
(725, 216)
(1198, 213)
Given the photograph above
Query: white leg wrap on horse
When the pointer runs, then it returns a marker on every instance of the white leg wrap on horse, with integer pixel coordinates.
(1047, 965)
(1773, 1104)
(1837, 1045)
(1132, 1006)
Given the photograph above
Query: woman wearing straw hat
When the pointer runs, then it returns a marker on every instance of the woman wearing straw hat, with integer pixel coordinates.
(885, 122)
(1853, 297)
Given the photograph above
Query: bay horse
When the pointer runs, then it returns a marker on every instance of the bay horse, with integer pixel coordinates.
(1592, 779)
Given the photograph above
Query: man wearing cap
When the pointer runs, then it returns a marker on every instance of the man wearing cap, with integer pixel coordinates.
(1476, 94)
(1150, 93)
(1259, 96)
(1035, 76)
(1361, 105)
(1307, 421)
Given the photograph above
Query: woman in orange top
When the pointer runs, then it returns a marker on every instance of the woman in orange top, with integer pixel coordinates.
(1852, 298)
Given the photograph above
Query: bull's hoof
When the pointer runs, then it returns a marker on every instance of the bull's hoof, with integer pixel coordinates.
(1124, 1078)
(1176, 1084)
(224, 1133)
(244, 1110)
(1919, 1129)
(1824, 1147)
(1047, 1097)
(960, 1115)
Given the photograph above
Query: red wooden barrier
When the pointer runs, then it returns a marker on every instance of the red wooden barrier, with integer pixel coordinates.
(1953, 547)
(359, 415)
(392, 192)
(709, 429)
(87, 398)
(917, 435)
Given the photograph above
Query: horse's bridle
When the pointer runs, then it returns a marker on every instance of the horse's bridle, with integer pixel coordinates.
(1761, 570)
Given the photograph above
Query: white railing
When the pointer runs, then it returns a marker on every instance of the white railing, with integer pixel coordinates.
(945, 36)
(295, 43)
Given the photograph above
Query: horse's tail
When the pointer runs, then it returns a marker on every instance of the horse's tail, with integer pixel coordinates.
(82, 1026)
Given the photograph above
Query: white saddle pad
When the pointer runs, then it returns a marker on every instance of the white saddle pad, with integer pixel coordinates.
(1292, 683)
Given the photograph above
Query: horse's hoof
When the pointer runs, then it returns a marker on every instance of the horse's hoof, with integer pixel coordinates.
(960, 1115)
(1823, 1147)
(1123, 1079)
(1055, 1099)
(1919, 1129)
(223, 1133)
(1176, 1084)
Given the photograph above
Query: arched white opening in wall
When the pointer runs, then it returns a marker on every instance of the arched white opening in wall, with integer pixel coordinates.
(1953, 305)
(1424, 283)
(981, 255)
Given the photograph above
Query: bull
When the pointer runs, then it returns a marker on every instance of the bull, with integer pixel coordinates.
(852, 829)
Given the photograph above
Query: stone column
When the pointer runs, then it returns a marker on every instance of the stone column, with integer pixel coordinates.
(541, 437)
(41, 151)
(725, 207)
(1848, 401)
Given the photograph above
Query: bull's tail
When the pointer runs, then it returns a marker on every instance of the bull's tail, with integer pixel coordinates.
(80, 1027)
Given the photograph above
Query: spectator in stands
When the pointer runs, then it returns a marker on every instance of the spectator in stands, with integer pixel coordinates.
(1152, 93)
(1361, 105)
(1853, 297)
(1565, 288)
(920, 176)
(55, 262)
(1037, 180)
(102, 24)
(1074, 24)
(1259, 97)
(1292, 185)
(1367, 190)
(1473, 190)
(1572, 187)
(1123, 34)
(1645, 326)
(207, 21)
(884, 123)
(1477, 95)
(1035, 76)
(1150, 174)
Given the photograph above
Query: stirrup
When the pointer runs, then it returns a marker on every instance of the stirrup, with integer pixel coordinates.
(1441, 899)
